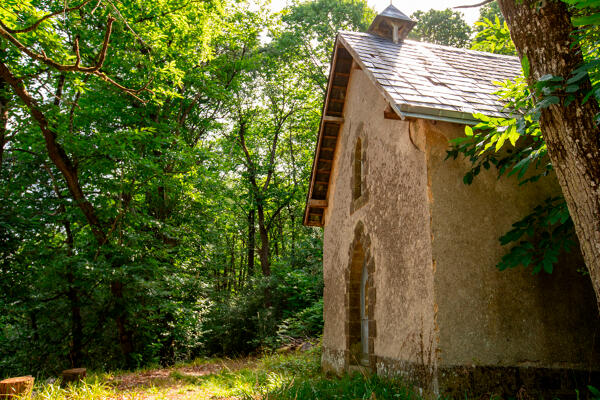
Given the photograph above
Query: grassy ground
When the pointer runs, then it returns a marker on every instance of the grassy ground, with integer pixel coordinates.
(294, 375)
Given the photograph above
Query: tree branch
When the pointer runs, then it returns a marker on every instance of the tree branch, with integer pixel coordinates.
(45, 17)
(95, 69)
(61, 67)
(483, 3)
(56, 153)
(274, 148)
(281, 207)
(251, 169)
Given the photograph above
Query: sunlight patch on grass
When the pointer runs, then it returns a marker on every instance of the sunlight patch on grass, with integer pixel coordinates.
(293, 376)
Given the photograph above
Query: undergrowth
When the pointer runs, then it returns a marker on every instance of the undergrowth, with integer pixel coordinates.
(294, 375)
(356, 386)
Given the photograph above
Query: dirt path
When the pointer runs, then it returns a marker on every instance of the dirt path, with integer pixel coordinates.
(184, 382)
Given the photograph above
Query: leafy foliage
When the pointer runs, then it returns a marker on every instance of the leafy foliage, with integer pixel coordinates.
(547, 232)
(493, 36)
(488, 11)
(444, 27)
(516, 146)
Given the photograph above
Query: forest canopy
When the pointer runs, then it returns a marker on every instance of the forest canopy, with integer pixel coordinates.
(152, 172)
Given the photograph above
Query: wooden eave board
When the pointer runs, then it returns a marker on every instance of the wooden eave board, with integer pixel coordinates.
(329, 132)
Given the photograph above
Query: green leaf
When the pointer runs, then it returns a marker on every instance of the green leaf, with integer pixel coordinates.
(468, 178)
(548, 101)
(594, 391)
(577, 77)
(587, 20)
(525, 65)
(481, 117)
(513, 135)
(550, 78)
(501, 139)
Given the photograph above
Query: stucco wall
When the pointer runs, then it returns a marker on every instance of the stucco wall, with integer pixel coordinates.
(491, 317)
(396, 221)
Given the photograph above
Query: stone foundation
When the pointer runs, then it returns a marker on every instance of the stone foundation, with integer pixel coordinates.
(419, 375)
(520, 382)
(476, 381)
(333, 361)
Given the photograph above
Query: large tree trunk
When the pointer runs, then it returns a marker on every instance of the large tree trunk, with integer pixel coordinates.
(542, 31)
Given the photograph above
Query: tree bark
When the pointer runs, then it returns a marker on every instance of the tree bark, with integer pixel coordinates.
(251, 240)
(542, 32)
(264, 241)
(125, 337)
(4, 100)
(74, 301)
(76, 321)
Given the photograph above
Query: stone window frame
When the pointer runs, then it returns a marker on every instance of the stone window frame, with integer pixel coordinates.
(363, 240)
(359, 201)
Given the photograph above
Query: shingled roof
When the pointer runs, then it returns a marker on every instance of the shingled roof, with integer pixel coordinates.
(433, 80)
(419, 80)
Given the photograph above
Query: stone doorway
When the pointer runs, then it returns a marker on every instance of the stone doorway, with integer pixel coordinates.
(360, 323)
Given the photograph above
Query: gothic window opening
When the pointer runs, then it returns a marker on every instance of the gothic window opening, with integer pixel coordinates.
(358, 178)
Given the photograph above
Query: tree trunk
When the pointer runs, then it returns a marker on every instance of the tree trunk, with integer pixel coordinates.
(231, 277)
(251, 240)
(4, 99)
(56, 153)
(281, 234)
(125, 339)
(76, 322)
(542, 31)
(264, 242)
(73, 295)
(292, 231)
(242, 274)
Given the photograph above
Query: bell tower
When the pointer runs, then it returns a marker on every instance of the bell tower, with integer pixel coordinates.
(392, 24)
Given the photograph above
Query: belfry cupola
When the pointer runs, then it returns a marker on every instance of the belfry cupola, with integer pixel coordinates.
(392, 24)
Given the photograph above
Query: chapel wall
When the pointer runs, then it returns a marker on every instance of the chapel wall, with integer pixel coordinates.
(393, 221)
(488, 317)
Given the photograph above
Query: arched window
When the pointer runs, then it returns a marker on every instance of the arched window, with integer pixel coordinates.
(357, 189)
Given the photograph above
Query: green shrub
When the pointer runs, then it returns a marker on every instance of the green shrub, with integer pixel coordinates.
(306, 323)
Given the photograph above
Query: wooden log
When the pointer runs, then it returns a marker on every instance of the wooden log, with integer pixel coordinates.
(73, 375)
(12, 388)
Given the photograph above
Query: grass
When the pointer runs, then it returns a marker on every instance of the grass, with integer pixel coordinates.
(293, 376)
(349, 387)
